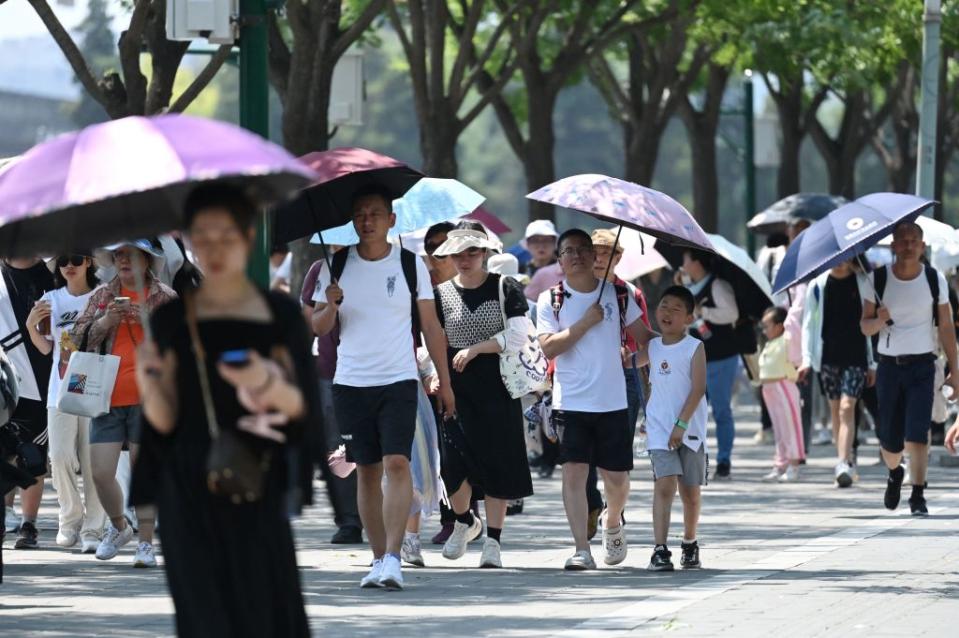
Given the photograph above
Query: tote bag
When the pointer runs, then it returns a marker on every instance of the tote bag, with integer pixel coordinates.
(88, 384)
(523, 372)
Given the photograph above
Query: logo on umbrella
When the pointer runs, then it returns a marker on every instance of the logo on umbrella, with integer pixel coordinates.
(855, 223)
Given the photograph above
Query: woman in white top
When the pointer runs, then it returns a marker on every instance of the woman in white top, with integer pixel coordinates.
(69, 435)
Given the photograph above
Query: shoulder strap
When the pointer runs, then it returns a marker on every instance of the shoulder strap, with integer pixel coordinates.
(338, 263)
(879, 282)
(408, 262)
(199, 355)
(932, 278)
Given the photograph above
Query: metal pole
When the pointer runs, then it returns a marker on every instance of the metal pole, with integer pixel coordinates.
(255, 111)
(749, 158)
(926, 156)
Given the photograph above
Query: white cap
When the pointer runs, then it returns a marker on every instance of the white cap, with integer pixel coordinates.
(505, 264)
(541, 227)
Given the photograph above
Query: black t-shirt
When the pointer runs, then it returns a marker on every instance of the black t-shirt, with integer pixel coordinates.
(843, 342)
(25, 287)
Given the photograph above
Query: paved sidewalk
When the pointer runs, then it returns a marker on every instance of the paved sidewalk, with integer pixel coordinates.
(804, 559)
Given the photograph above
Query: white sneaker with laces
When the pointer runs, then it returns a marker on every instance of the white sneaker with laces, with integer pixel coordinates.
(67, 537)
(411, 552)
(823, 437)
(491, 554)
(580, 561)
(12, 522)
(843, 474)
(392, 574)
(791, 475)
(773, 476)
(89, 544)
(145, 556)
(113, 540)
(372, 579)
(614, 542)
(462, 534)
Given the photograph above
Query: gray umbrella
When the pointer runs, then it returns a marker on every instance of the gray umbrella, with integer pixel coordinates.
(811, 206)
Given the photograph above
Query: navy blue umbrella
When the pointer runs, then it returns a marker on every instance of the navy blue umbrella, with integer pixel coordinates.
(846, 232)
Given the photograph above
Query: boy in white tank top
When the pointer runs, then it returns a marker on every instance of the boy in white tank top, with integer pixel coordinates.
(676, 425)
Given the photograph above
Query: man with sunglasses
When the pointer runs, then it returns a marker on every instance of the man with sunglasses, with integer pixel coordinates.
(580, 327)
(441, 268)
(22, 283)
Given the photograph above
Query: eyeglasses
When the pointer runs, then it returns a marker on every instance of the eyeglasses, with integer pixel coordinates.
(73, 260)
(582, 251)
(432, 248)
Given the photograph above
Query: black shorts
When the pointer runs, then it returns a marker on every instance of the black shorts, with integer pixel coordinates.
(597, 438)
(905, 402)
(29, 427)
(376, 421)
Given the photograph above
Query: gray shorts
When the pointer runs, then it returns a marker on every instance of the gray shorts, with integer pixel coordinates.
(119, 425)
(691, 467)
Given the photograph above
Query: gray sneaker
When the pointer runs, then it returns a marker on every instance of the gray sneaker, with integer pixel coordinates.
(113, 540)
(411, 552)
(462, 534)
(580, 561)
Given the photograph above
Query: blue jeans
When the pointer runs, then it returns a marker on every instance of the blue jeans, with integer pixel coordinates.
(720, 378)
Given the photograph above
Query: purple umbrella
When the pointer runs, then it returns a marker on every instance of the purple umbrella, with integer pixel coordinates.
(627, 204)
(128, 179)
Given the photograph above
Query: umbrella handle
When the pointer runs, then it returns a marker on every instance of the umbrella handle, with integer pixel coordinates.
(609, 264)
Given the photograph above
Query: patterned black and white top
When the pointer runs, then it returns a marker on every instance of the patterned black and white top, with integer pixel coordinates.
(471, 316)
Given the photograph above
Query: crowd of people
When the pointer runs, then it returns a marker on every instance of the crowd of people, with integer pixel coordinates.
(415, 385)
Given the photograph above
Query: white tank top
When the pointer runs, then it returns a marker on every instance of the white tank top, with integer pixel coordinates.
(670, 375)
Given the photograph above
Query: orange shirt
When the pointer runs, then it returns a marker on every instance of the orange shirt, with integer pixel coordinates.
(129, 336)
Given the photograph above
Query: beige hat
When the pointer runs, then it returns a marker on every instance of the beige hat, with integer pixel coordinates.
(606, 237)
(462, 239)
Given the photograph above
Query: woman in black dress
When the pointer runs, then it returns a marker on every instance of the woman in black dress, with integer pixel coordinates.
(231, 567)
(485, 448)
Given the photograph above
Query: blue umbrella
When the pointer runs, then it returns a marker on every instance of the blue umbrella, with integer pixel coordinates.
(430, 201)
(846, 232)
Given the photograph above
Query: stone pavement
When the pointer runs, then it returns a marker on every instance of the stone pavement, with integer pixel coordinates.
(786, 560)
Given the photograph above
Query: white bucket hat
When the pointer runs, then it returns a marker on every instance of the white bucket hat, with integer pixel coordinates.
(462, 239)
(104, 258)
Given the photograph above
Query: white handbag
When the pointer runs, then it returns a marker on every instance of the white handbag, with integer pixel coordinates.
(524, 371)
(87, 385)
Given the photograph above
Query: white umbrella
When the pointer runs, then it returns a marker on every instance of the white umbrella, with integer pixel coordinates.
(936, 234)
(639, 257)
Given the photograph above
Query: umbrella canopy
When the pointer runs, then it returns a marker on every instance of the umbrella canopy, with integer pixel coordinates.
(128, 178)
(488, 219)
(639, 257)
(846, 232)
(733, 264)
(627, 204)
(328, 201)
(811, 206)
(428, 202)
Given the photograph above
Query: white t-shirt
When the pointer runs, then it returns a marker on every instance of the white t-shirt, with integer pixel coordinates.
(671, 378)
(376, 327)
(910, 307)
(65, 309)
(589, 376)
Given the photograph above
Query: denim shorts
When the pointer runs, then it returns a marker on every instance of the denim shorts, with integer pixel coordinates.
(905, 402)
(119, 425)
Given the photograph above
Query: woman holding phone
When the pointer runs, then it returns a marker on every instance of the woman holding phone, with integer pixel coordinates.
(49, 325)
(228, 362)
(111, 323)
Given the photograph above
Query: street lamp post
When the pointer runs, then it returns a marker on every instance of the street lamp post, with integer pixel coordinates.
(926, 156)
(749, 158)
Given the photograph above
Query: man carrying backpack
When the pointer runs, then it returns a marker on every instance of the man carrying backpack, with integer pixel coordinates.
(378, 293)
(583, 334)
(909, 309)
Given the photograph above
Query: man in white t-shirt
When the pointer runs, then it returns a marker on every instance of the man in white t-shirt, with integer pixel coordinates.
(911, 325)
(583, 334)
(374, 391)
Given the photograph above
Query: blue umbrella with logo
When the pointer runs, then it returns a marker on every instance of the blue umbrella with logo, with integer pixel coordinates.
(846, 232)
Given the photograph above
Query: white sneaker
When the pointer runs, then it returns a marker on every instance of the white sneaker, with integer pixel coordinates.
(462, 534)
(392, 573)
(372, 579)
(580, 561)
(491, 554)
(113, 540)
(762, 437)
(791, 475)
(823, 437)
(12, 522)
(773, 476)
(145, 556)
(89, 544)
(843, 474)
(614, 541)
(67, 537)
(411, 552)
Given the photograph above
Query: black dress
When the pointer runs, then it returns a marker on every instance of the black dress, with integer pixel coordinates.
(486, 446)
(231, 568)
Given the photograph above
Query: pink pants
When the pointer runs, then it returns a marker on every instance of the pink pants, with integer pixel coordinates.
(782, 401)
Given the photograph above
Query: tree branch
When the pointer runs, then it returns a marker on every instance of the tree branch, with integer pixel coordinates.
(465, 34)
(479, 64)
(70, 50)
(130, 47)
(201, 81)
(507, 69)
(358, 28)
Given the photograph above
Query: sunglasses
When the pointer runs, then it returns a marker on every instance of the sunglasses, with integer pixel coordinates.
(431, 248)
(72, 260)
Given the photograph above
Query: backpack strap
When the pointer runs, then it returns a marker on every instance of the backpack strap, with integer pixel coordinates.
(879, 277)
(622, 300)
(932, 278)
(408, 262)
(557, 294)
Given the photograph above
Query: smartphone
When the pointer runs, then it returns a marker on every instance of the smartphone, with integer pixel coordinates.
(235, 358)
(121, 300)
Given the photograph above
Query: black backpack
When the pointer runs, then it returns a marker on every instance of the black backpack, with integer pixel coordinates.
(880, 276)
(407, 261)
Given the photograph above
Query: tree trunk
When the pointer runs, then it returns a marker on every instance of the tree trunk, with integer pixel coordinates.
(789, 108)
(538, 161)
(701, 129)
(438, 145)
(642, 151)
